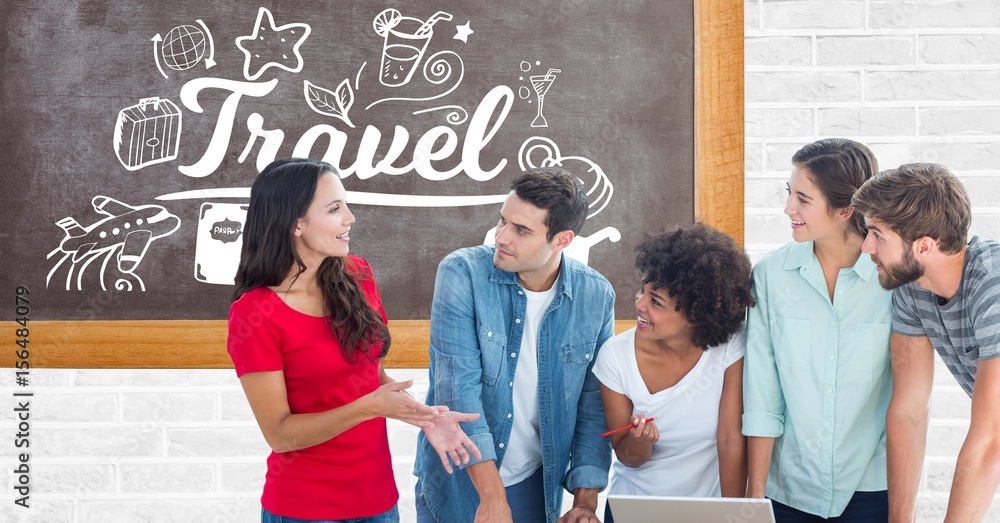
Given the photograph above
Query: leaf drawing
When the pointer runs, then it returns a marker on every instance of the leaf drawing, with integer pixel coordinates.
(330, 103)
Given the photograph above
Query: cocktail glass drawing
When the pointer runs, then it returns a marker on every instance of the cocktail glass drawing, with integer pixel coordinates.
(405, 41)
(541, 85)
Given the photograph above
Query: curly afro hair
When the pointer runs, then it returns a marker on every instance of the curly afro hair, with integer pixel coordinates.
(706, 274)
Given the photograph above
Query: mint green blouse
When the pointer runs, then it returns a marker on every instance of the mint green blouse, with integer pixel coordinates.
(817, 378)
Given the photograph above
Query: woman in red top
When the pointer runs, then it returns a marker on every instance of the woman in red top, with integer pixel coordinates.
(307, 332)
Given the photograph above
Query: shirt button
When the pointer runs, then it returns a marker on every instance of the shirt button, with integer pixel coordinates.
(517, 320)
(832, 357)
(520, 293)
(827, 423)
(829, 391)
(501, 445)
(489, 333)
(512, 384)
(513, 355)
(510, 416)
(586, 356)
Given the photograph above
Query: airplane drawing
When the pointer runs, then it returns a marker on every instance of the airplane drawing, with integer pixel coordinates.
(123, 235)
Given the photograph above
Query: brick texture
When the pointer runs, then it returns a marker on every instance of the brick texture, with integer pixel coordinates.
(916, 81)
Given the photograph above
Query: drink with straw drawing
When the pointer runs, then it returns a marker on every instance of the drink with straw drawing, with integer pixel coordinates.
(406, 39)
(541, 85)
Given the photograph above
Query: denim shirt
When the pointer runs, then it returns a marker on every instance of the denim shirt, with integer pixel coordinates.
(476, 327)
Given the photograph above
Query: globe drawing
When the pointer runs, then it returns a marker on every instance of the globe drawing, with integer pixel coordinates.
(183, 47)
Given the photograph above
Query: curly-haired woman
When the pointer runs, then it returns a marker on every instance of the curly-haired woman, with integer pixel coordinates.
(817, 365)
(683, 364)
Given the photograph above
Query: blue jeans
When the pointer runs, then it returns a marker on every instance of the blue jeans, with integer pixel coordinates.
(389, 516)
(526, 500)
(864, 507)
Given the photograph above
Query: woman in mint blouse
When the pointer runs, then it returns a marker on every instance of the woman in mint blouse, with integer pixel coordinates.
(817, 378)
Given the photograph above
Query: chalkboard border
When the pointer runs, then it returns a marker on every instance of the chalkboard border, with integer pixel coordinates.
(191, 344)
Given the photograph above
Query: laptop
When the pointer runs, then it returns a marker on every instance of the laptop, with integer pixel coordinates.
(643, 509)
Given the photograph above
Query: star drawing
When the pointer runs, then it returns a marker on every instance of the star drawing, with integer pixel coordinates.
(463, 32)
(276, 46)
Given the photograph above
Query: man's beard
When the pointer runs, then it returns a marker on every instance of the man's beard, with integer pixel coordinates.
(906, 271)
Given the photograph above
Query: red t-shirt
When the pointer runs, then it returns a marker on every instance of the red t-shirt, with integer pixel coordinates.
(349, 476)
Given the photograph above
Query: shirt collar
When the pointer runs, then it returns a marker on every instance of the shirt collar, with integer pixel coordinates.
(563, 283)
(801, 255)
(502, 276)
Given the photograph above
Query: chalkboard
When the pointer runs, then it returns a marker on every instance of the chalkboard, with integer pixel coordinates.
(132, 132)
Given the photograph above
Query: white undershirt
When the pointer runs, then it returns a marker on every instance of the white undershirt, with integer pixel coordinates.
(524, 449)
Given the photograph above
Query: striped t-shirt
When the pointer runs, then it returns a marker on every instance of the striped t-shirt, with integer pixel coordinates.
(966, 329)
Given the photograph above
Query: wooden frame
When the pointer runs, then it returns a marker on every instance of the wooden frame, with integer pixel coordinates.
(201, 344)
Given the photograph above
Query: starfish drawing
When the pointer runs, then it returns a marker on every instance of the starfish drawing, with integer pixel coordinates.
(277, 46)
(463, 32)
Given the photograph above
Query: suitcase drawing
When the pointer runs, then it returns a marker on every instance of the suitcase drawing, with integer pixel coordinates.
(147, 133)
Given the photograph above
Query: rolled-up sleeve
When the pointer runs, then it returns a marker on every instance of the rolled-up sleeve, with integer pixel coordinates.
(455, 352)
(590, 453)
(763, 401)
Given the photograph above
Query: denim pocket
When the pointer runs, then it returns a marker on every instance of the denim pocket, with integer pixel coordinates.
(576, 357)
(581, 352)
(492, 349)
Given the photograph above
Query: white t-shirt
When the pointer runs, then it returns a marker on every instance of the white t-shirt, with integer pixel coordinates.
(524, 449)
(685, 460)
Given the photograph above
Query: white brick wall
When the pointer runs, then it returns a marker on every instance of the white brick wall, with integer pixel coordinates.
(152, 445)
(135, 445)
(914, 79)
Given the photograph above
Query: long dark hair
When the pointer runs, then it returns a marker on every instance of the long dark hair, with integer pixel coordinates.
(278, 198)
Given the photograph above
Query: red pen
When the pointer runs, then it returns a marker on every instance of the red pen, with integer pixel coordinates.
(626, 427)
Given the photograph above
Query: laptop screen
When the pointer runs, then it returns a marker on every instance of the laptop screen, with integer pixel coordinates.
(643, 509)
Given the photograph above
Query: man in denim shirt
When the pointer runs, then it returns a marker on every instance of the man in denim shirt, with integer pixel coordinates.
(515, 330)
